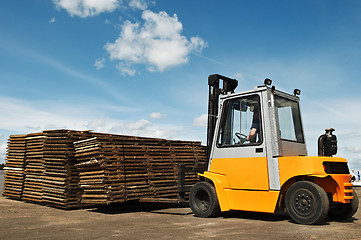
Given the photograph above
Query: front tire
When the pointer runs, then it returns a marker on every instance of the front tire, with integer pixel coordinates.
(203, 200)
(307, 203)
(344, 211)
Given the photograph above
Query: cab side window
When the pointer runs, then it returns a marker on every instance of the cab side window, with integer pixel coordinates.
(241, 122)
(289, 120)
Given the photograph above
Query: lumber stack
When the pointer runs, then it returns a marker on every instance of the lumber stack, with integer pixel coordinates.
(72, 169)
(116, 168)
(61, 178)
(48, 174)
(101, 181)
(34, 168)
(14, 169)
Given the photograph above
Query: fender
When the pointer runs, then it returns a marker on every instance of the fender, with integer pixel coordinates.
(337, 184)
(220, 183)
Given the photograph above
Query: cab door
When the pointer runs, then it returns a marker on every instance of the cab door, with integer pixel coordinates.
(239, 151)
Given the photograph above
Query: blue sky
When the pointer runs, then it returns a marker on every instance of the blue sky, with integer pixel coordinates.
(140, 67)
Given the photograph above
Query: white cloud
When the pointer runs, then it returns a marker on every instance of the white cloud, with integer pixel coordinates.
(138, 4)
(96, 124)
(201, 121)
(142, 128)
(146, 128)
(86, 8)
(139, 125)
(197, 44)
(158, 43)
(52, 20)
(156, 115)
(22, 116)
(99, 63)
(18, 116)
(125, 69)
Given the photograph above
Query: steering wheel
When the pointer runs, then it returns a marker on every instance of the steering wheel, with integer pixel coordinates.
(241, 137)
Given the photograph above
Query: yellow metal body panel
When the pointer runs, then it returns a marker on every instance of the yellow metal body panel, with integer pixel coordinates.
(245, 200)
(242, 183)
(220, 183)
(303, 165)
(243, 173)
(337, 184)
(256, 201)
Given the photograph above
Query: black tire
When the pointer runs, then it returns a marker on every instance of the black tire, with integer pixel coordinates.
(307, 203)
(344, 211)
(203, 200)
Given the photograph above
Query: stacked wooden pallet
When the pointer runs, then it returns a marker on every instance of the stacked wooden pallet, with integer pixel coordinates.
(34, 168)
(48, 174)
(163, 162)
(99, 183)
(56, 167)
(116, 168)
(14, 170)
(61, 178)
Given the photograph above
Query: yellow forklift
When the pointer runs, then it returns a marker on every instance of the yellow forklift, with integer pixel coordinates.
(257, 159)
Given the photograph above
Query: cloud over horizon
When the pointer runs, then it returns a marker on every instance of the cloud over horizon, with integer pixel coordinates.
(87, 8)
(156, 115)
(200, 121)
(158, 43)
(18, 116)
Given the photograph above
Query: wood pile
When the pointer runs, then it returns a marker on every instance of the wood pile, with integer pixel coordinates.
(72, 169)
(117, 168)
(34, 168)
(61, 178)
(48, 173)
(14, 168)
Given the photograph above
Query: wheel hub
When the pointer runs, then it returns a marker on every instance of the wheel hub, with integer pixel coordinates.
(303, 202)
(205, 204)
(202, 200)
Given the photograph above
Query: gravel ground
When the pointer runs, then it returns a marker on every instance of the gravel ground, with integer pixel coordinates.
(20, 220)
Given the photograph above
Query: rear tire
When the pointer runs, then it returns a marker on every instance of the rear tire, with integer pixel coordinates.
(203, 200)
(344, 211)
(307, 203)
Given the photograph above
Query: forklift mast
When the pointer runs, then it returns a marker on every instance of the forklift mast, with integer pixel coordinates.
(229, 85)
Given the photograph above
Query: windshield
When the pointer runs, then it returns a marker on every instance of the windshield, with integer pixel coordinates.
(289, 119)
(241, 117)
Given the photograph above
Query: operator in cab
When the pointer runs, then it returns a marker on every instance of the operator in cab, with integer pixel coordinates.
(254, 132)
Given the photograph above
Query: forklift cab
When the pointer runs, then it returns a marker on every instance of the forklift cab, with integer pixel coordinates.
(253, 129)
